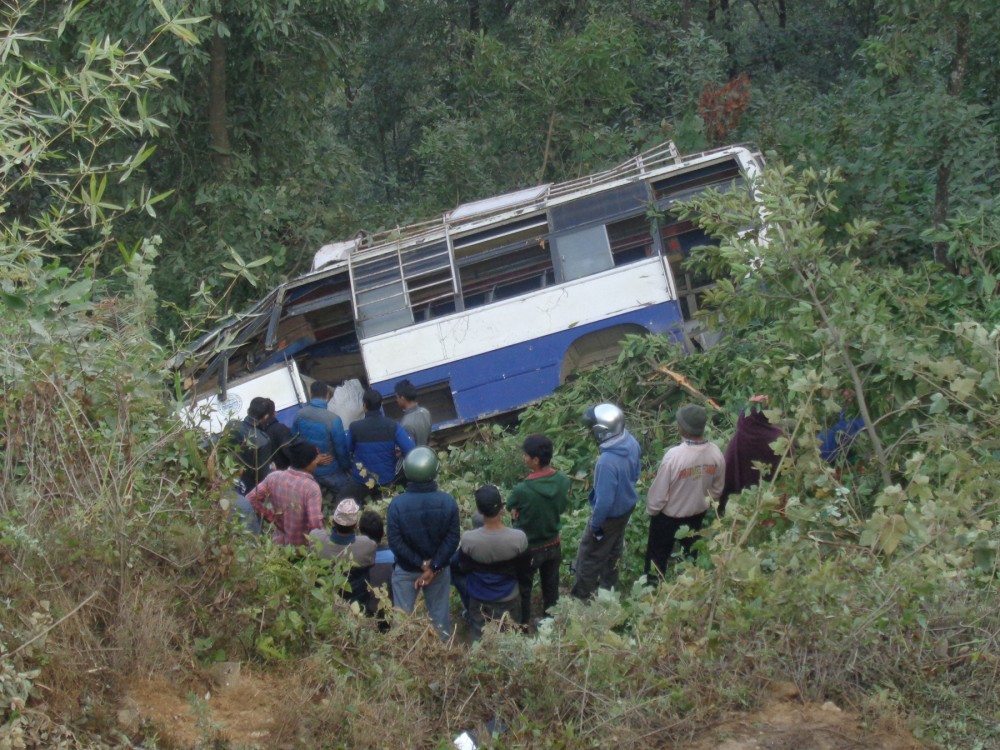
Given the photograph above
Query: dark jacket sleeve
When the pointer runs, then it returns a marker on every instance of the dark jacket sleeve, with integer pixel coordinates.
(340, 448)
(449, 544)
(404, 552)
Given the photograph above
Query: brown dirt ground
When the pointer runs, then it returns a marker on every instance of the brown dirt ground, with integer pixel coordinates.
(183, 716)
(248, 714)
(781, 725)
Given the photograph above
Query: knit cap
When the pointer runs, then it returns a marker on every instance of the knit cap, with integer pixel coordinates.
(692, 419)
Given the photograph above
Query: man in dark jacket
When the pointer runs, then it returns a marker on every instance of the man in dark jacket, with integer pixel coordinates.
(423, 530)
(373, 442)
(536, 507)
(251, 446)
(316, 424)
(280, 435)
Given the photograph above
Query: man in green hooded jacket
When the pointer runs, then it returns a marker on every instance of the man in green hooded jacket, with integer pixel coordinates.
(536, 506)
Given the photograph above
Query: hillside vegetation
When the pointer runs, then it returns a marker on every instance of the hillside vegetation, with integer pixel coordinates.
(873, 584)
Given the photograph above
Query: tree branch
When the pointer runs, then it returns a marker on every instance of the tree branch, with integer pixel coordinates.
(859, 392)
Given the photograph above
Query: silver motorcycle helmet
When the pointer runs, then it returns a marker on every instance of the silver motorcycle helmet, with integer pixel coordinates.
(604, 421)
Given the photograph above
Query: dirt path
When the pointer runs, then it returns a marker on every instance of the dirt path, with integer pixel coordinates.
(797, 726)
(247, 711)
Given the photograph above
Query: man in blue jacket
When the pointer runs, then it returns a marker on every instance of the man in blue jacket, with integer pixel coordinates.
(423, 529)
(316, 424)
(611, 501)
(373, 442)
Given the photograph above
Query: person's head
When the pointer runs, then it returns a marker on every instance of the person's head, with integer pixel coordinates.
(346, 515)
(406, 393)
(421, 465)
(319, 389)
(691, 420)
(371, 526)
(488, 501)
(302, 455)
(258, 408)
(372, 400)
(272, 410)
(604, 421)
(537, 451)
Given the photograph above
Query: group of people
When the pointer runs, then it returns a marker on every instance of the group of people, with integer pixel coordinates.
(421, 547)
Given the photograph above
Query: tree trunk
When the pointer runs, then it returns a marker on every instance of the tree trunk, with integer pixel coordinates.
(942, 185)
(727, 26)
(218, 127)
(475, 18)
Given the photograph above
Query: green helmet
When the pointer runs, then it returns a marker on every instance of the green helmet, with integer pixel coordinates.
(421, 465)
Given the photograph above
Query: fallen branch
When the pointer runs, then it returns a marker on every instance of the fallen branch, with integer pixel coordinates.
(53, 626)
(684, 383)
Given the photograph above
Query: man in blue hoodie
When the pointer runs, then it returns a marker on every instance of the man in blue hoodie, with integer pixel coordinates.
(316, 424)
(612, 500)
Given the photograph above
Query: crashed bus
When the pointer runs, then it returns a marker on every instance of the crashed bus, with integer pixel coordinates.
(489, 307)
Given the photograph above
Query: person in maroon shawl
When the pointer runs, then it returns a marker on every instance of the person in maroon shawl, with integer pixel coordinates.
(750, 444)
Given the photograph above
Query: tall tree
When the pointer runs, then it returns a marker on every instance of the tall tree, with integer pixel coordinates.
(938, 57)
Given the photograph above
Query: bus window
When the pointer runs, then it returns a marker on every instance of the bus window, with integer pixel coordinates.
(430, 284)
(603, 207)
(631, 240)
(503, 261)
(679, 238)
(582, 252)
(379, 295)
(689, 184)
(505, 272)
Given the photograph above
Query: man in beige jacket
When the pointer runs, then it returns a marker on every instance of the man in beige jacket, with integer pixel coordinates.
(689, 473)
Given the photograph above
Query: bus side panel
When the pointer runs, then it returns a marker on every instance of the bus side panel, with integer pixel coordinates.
(281, 383)
(564, 307)
(509, 377)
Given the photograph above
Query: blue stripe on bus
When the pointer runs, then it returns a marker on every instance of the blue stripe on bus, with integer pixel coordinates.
(510, 377)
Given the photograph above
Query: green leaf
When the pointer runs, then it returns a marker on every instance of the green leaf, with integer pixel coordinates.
(13, 301)
(893, 531)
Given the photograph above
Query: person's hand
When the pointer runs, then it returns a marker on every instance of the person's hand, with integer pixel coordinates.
(425, 579)
(324, 459)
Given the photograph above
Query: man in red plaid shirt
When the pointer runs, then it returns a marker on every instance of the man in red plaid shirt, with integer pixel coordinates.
(291, 499)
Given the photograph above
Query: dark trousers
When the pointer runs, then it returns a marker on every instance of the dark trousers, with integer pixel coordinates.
(662, 532)
(481, 612)
(597, 560)
(360, 493)
(546, 561)
(331, 485)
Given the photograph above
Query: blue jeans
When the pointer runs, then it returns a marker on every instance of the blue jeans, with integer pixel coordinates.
(242, 509)
(436, 597)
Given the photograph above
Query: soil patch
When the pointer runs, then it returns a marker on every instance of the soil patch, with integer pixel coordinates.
(247, 713)
(251, 711)
(785, 725)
